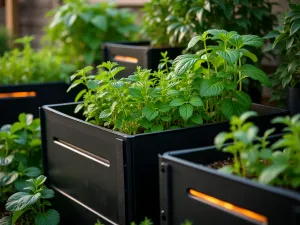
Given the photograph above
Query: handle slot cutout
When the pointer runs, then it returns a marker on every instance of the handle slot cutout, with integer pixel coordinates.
(82, 152)
(20, 94)
(126, 59)
(228, 207)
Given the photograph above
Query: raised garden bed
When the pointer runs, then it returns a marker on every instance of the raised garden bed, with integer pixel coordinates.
(133, 54)
(191, 190)
(109, 174)
(15, 99)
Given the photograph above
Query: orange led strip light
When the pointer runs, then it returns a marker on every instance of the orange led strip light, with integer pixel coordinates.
(228, 206)
(126, 59)
(18, 94)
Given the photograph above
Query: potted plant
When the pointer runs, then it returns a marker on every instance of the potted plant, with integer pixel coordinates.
(287, 44)
(124, 124)
(30, 79)
(254, 180)
(170, 24)
(80, 28)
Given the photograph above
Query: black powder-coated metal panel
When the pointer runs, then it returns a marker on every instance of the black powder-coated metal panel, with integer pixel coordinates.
(293, 100)
(46, 93)
(147, 56)
(186, 170)
(136, 176)
(74, 163)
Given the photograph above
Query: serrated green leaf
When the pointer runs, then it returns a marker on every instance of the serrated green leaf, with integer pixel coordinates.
(8, 178)
(105, 113)
(4, 161)
(184, 62)
(6, 220)
(177, 102)
(32, 172)
(197, 118)
(196, 101)
(186, 111)
(79, 95)
(271, 172)
(295, 26)
(223, 74)
(166, 118)
(92, 84)
(47, 193)
(78, 108)
(135, 93)
(157, 128)
(50, 217)
(256, 74)
(100, 22)
(272, 34)
(252, 40)
(150, 113)
(237, 105)
(21, 200)
(18, 214)
(248, 54)
(210, 88)
(230, 55)
(193, 41)
(229, 85)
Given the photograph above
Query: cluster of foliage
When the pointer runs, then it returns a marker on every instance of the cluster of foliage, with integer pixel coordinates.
(25, 65)
(79, 28)
(4, 41)
(183, 19)
(287, 44)
(255, 156)
(198, 88)
(20, 154)
(20, 166)
(31, 206)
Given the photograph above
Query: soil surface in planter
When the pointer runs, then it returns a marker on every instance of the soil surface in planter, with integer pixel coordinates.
(228, 162)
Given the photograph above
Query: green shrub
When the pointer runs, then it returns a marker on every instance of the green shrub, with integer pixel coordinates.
(26, 65)
(79, 29)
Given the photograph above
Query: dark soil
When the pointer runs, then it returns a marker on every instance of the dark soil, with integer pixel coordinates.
(219, 164)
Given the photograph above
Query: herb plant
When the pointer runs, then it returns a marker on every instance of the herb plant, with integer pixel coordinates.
(31, 206)
(198, 88)
(287, 44)
(20, 154)
(29, 66)
(79, 29)
(256, 157)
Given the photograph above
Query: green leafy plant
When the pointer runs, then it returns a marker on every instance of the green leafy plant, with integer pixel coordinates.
(182, 19)
(198, 88)
(31, 206)
(79, 29)
(287, 44)
(29, 66)
(257, 157)
(20, 154)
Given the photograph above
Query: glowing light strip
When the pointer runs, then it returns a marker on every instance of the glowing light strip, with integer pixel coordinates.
(23, 94)
(260, 219)
(83, 152)
(126, 59)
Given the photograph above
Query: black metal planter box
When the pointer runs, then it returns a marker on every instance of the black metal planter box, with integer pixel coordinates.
(293, 99)
(15, 99)
(190, 190)
(133, 54)
(111, 175)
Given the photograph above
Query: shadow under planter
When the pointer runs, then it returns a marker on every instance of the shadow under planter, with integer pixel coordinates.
(190, 190)
(112, 175)
(133, 54)
(27, 98)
